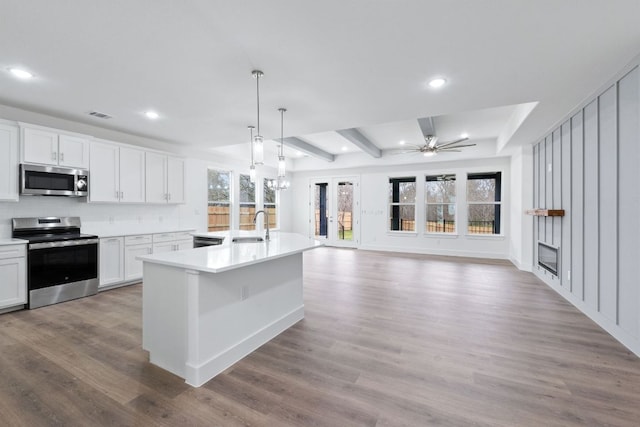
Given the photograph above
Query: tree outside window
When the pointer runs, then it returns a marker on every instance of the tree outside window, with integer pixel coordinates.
(247, 203)
(270, 203)
(402, 204)
(219, 200)
(484, 202)
(440, 195)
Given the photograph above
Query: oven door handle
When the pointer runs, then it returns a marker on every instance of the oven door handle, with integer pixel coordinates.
(63, 243)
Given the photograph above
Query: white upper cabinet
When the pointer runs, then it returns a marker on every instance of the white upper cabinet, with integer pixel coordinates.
(9, 162)
(164, 178)
(47, 146)
(175, 179)
(116, 174)
(73, 151)
(132, 175)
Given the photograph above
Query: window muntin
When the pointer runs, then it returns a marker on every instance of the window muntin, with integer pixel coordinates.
(219, 200)
(402, 204)
(247, 203)
(440, 196)
(270, 203)
(484, 202)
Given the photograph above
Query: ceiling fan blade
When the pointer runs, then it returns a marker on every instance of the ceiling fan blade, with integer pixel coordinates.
(442, 147)
(446, 144)
(450, 150)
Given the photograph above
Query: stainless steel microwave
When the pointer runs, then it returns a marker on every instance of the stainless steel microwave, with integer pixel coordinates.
(53, 181)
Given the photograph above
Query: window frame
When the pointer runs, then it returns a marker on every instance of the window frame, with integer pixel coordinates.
(430, 178)
(390, 204)
(497, 202)
(276, 205)
(242, 204)
(229, 202)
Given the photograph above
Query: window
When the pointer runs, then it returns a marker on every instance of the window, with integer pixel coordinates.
(440, 194)
(270, 204)
(247, 203)
(484, 200)
(402, 204)
(219, 200)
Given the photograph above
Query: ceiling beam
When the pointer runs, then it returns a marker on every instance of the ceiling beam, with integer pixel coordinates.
(362, 142)
(305, 147)
(426, 126)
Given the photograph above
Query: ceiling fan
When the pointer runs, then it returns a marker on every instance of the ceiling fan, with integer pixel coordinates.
(431, 146)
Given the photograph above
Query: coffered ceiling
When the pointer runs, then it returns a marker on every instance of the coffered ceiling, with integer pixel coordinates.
(334, 64)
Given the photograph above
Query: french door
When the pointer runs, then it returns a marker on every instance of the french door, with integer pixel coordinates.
(334, 214)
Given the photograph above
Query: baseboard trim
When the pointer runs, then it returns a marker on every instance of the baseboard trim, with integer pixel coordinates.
(197, 375)
(444, 252)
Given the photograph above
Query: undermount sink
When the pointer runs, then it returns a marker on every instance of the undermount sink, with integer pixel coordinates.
(247, 239)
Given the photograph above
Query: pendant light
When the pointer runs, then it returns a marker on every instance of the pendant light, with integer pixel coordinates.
(252, 168)
(282, 164)
(280, 183)
(258, 143)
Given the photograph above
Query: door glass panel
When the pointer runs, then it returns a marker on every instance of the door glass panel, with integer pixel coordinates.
(344, 195)
(321, 209)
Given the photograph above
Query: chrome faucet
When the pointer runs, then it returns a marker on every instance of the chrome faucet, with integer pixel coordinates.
(266, 217)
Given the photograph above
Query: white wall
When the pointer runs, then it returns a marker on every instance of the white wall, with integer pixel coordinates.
(521, 197)
(374, 234)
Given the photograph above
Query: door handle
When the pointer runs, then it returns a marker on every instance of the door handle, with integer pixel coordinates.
(62, 157)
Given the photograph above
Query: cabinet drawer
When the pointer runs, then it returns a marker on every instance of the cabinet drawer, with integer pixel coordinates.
(164, 237)
(183, 235)
(138, 240)
(13, 251)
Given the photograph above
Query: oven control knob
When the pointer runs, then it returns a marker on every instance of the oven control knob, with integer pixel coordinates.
(81, 184)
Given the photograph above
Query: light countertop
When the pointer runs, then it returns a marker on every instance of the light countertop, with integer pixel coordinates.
(229, 256)
(9, 241)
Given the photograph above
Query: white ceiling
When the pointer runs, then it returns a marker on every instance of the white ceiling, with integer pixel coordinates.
(334, 64)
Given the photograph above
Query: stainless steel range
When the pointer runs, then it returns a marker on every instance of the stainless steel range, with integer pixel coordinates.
(62, 263)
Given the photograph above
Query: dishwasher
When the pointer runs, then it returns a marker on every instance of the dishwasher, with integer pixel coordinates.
(200, 241)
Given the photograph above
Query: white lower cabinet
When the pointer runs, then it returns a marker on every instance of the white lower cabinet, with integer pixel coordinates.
(133, 247)
(13, 274)
(118, 263)
(111, 261)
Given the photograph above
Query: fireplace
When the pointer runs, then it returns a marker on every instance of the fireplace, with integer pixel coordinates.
(548, 257)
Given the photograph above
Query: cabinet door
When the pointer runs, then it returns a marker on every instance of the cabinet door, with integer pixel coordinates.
(111, 261)
(40, 146)
(73, 151)
(132, 175)
(103, 178)
(13, 287)
(156, 178)
(9, 163)
(133, 267)
(175, 180)
(181, 245)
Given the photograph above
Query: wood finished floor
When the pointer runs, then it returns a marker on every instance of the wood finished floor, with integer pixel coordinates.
(388, 340)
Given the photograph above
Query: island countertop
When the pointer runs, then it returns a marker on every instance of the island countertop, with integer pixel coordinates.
(230, 256)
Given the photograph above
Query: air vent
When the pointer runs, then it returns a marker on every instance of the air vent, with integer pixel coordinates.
(99, 115)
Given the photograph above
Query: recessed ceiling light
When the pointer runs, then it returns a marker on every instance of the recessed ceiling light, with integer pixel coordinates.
(402, 142)
(299, 153)
(344, 148)
(436, 83)
(21, 74)
(151, 115)
(464, 135)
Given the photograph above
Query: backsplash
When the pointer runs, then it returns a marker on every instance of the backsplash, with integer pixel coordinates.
(100, 218)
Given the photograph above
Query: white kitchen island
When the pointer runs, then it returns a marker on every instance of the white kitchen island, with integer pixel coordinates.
(204, 309)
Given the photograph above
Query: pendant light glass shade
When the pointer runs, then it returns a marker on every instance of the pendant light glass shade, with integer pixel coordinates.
(252, 167)
(282, 164)
(258, 150)
(258, 143)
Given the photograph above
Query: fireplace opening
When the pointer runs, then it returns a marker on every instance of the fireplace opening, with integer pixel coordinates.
(548, 257)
